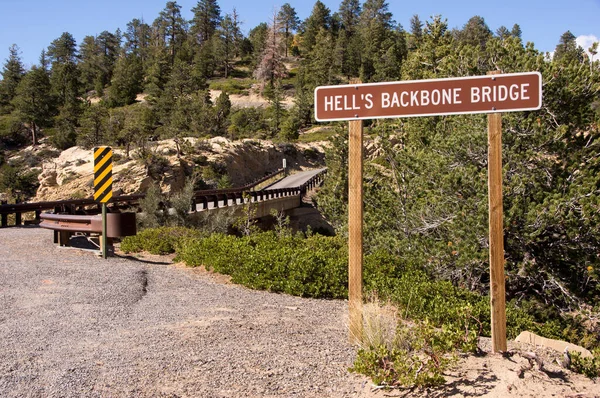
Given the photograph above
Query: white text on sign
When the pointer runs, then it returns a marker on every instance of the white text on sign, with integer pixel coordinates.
(412, 98)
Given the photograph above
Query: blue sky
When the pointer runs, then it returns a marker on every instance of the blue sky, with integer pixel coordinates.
(33, 24)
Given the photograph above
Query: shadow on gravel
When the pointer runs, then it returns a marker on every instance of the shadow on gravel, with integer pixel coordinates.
(483, 384)
(141, 260)
(82, 242)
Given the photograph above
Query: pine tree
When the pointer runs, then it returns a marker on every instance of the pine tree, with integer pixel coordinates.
(502, 32)
(207, 16)
(275, 109)
(348, 47)
(205, 62)
(376, 27)
(226, 35)
(127, 81)
(66, 87)
(64, 76)
(33, 102)
(416, 31)
(108, 47)
(181, 84)
(567, 49)
(12, 73)
(94, 126)
(238, 37)
(172, 28)
(258, 40)
(475, 32)
(424, 62)
(290, 22)
(222, 110)
(137, 40)
(388, 65)
(89, 66)
(322, 65)
(320, 18)
(44, 61)
(349, 14)
(516, 31)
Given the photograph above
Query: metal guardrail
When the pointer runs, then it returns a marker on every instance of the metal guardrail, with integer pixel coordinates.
(73, 206)
(64, 225)
(60, 206)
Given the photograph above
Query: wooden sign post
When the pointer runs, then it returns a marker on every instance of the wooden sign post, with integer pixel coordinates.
(355, 224)
(492, 94)
(496, 232)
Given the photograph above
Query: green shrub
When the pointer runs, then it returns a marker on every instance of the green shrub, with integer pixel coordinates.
(587, 366)
(309, 267)
(323, 134)
(232, 86)
(418, 356)
(247, 122)
(161, 240)
(12, 131)
(17, 182)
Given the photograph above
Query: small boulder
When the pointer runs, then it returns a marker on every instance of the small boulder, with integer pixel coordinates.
(558, 345)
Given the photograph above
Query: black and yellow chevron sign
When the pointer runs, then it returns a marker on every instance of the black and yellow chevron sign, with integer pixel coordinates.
(103, 174)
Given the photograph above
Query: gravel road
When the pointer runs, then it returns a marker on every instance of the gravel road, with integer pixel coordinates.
(75, 325)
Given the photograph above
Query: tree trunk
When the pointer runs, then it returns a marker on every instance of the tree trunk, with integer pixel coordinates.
(34, 140)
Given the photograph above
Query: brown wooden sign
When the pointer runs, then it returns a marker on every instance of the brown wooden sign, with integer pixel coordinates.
(480, 94)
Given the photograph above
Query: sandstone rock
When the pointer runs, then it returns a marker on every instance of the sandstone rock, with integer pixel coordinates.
(558, 345)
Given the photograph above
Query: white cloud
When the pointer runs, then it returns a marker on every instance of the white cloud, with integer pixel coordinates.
(586, 41)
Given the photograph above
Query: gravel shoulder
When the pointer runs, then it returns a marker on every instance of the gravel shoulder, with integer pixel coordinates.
(73, 324)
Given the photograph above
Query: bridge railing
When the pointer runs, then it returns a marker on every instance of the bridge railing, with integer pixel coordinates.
(89, 206)
(241, 195)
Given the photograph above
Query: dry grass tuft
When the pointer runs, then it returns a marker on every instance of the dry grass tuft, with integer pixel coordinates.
(380, 323)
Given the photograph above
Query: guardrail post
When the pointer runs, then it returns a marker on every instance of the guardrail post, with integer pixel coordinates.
(18, 220)
(3, 217)
(37, 215)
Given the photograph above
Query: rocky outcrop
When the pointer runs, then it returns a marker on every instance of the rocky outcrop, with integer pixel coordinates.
(70, 175)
